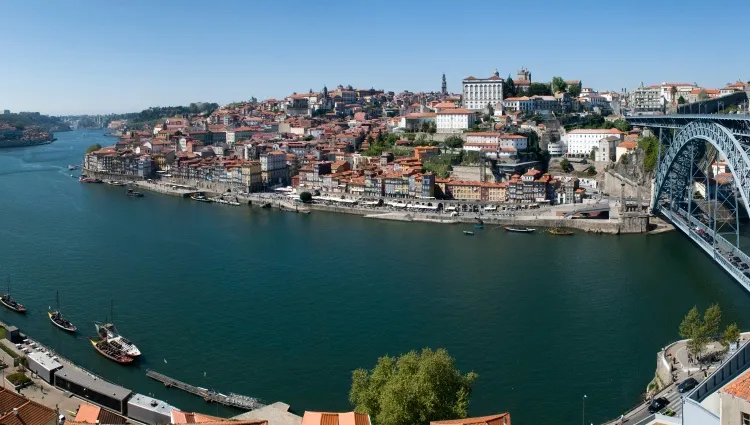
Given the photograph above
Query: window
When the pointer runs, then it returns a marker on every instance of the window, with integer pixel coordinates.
(745, 418)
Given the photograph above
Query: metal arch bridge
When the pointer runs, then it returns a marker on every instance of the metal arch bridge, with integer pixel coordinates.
(694, 195)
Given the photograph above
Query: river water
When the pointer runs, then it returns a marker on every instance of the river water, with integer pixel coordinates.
(283, 306)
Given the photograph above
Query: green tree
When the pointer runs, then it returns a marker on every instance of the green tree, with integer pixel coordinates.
(690, 324)
(558, 84)
(539, 89)
(681, 100)
(509, 88)
(731, 334)
(453, 142)
(305, 197)
(566, 165)
(412, 389)
(575, 89)
(94, 147)
(591, 170)
(702, 95)
(712, 321)
(622, 125)
(490, 110)
(592, 154)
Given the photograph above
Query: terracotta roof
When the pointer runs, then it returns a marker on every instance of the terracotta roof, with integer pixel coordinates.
(445, 105)
(29, 412)
(456, 111)
(88, 413)
(596, 131)
(322, 418)
(628, 145)
(414, 115)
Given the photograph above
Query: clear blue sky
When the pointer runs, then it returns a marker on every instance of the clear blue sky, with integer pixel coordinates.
(64, 57)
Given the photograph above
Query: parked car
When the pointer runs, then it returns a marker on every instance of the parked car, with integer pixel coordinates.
(657, 405)
(687, 385)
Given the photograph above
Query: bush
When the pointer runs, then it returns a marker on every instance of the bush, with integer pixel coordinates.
(18, 379)
(566, 165)
(94, 147)
(9, 351)
(305, 197)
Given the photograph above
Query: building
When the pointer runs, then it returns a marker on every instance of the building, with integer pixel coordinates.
(415, 120)
(475, 191)
(43, 365)
(582, 141)
(426, 153)
(647, 99)
(321, 418)
(19, 410)
(530, 187)
(499, 419)
(454, 120)
(93, 389)
(480, 92)
(275, 414)
(523, 80)
(90, 414)
(626, 147)
(605, 152)
(149, 410)
(273, 168)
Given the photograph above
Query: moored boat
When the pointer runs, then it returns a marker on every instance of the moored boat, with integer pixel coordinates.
(519, 229)
(58, 320)
(133, 194)
(468, 233)
(108, 332)
(8, 301)
(109, 351)
(86, 179)
(559, 232)
(200, 198)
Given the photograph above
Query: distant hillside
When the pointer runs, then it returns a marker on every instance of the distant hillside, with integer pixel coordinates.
(29, 120)
(150, 116)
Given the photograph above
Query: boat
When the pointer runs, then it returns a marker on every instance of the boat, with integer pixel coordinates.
(133, 194)
(519, 229)
(58, 320)
(108, 332)
(559, 232)
(468, 233)
(9, 302)
(85, 179)
(199, 198)
(110, 351)
(116, 183)
(72, 167)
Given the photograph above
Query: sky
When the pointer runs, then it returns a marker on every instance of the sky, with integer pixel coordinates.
(93, 57)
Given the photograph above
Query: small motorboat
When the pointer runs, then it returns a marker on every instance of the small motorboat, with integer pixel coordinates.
(200, 198)
(519, 229)
(468, 233)
(133, 194)
(559, 232)
(72, 167)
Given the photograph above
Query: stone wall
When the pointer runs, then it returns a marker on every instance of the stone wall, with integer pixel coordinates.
(612, 186)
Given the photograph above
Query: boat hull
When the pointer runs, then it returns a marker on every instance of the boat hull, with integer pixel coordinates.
(131, 349)
(515, 230)
(122, 359)
(18, 308)
(70, 329)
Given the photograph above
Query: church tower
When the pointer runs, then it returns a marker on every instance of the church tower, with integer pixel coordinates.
(444, 88)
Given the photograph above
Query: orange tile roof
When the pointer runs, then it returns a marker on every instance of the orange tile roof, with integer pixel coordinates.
(88, 413)
(323, 418)
(500, 419)
(628, 145)
(456, 111)
(595, 131)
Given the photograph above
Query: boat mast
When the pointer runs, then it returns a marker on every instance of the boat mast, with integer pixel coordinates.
(112, 312)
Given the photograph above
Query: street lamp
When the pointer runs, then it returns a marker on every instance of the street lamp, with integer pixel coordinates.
(583, 412)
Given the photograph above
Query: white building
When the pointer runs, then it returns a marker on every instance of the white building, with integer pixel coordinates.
(582, 142)
(271, 161)
(454, 120)
(479, 92)
(501, 140)
(523, 103)
(415, 120)
(625, 148)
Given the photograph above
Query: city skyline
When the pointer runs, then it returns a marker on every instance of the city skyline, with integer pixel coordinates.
(75, 59)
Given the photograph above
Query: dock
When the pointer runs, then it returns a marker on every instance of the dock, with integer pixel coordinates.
(210, 396)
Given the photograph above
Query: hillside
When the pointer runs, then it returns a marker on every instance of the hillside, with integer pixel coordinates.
(27, 120)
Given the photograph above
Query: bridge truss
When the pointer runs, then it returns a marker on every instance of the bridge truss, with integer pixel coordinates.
(702, 182)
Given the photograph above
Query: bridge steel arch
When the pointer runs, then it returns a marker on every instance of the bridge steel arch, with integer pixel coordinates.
(725, 143)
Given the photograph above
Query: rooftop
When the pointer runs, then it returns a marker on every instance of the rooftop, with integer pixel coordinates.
(323, 418)
(499, 419)
(151, 404)
(92, 382)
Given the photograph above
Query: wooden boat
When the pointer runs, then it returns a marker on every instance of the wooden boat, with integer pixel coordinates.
(110, 351)
(468, 233)
(559, 232)
(58, 320)
(519, 229)
(9, 302)
(200, 198)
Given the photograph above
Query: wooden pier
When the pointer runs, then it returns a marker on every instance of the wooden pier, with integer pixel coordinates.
(210, 396)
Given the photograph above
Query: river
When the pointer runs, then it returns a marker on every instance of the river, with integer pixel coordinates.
(284, 306)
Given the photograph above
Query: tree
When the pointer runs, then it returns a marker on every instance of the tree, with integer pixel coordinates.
(622, 125)
(566, 165)
(453, 142)
(592, 154)
(575, 89)
(509, 88)
(305, 197)
(412, 389)
(712, 321)
(702, 95)
(681, 100)
(673, 94)
(731, 334)
(690, 324)
(558, 84)
(591, 170)
(490, 110)
(539, 89)
(94, 147)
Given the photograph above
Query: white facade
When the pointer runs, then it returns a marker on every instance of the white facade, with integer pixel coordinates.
(272, 161)
(454, 120)
(582, 142)
(605, 152)
(479, 92)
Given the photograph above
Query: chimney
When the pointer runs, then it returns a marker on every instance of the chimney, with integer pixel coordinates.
(15, 411)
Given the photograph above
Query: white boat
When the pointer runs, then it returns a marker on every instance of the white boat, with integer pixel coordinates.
(108, 332)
